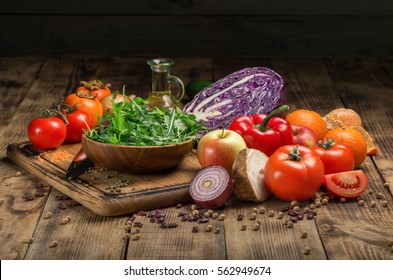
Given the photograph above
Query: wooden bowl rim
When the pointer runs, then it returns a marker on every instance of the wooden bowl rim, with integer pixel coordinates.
(84, 137)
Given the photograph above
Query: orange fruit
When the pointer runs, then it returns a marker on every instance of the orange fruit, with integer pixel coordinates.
(353, 139)
(371, 147)
(347, 117)
(309, 118)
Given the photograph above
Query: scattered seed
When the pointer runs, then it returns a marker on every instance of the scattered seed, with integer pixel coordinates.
(307, 251)
(152, 220)
(195, 229)
(318, 204)
(294, 203)
(312, 206)
(296, 208)
(64, 221)
(373, 203)
(179, 205)
(370, 192)
(240, 217)
(195, 212)
(255, 227)
(325, 201)
(136, 237)
(262, 210)
(280, 215)
(48, 215)
(384, 203)
(209, 228)
(193, 207)
(137, 230)
(303, 234)
(253, 216)
(216, 231)
(30, 240)
(361, 202)
(128, 227)
(215, 215)
(126, 236)
(306, 210)
(18, 173)
(206, 214)
(380, 195)
(210, 211)
(342, 199)
(243, 227)
(221, 217)
(254, 210)
(289, 224)
(386, 184)
(53, 244)
(271, 213)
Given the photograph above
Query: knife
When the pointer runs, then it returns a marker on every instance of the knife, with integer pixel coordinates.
(79, 165)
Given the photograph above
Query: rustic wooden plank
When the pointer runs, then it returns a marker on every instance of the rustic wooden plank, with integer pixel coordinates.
(16, 77)
(207, 36)
(205, 7)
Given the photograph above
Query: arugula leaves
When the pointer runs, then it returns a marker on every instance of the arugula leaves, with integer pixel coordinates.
(133, 123)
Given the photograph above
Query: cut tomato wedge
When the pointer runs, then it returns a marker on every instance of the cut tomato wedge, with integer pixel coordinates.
(346, 184)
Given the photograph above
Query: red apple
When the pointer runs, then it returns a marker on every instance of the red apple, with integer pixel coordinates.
(220, 147)
(303, 135)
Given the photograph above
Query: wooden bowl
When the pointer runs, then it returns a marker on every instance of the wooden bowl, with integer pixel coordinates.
(135, 159)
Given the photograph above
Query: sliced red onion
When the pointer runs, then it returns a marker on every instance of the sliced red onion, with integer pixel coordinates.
(211, 187)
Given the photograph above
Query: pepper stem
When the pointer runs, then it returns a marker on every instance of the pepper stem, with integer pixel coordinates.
(275, 112)
(295, 154)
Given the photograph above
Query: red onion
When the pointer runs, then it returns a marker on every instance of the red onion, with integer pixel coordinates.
(211, 187)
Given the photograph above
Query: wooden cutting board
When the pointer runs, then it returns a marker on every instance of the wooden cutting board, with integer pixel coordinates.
(107, 192)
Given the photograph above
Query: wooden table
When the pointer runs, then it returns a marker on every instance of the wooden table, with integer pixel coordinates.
(340, 230)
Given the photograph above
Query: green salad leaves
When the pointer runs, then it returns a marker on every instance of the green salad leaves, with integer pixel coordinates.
(133, 123)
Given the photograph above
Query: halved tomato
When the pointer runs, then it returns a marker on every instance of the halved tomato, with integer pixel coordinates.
(346, 184)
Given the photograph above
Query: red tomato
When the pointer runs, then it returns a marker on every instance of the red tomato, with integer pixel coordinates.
(78, 121)
(88, 103)
(346, 184)
(294, 172)
(335, 157)
(47, 133)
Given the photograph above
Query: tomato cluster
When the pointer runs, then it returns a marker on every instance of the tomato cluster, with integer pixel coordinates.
(80, 111)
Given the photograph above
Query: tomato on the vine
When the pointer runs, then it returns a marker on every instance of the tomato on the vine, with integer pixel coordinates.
(95, 88)
(87, 103)
(294, 172)
(348, 184)
(78, 121)
(47, 132)
(335, 157)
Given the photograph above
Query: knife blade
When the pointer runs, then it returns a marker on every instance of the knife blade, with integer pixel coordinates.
(79, 165)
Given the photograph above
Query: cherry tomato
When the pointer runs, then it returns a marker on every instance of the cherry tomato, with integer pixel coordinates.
(346, 184)
(335, 157)
(87, 103)
(47, 132)
(294, 172)
(78, 121)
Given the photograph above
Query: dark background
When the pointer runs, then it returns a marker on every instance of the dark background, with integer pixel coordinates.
(196, 27)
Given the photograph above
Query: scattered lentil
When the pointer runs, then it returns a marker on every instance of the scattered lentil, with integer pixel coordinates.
(303, 234)
(384, 203)
(262, 210)
(361, 202)
(221, 217)
(195, 229)
(216, 231)
(48, 215)
(253, 216)
(307, 250)
(380, 195)
(271, 213)
(53, 244)
(136, 237)
(255, 227)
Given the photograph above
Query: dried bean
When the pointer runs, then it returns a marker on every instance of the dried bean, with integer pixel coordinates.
(254, 210)
(126, 236)
(195, 229)
(294, 203)
(255, 227)
(289, 224)
(184, 218)
(307, 251)
(296, 208)
(318, 204)
(386, 185)
(342, 199)
(280, 215)
(293, 213)
(361, 202)
(62, 206)
(160, 220)
(209, 228)
(240, 217)
(138, 224)
(206, 214)
(172, 225)
(48, 215)
(380, 195)
(303, 234)
(310, 216)
(28, 197)
(136, 237)
(53, 244)
(151, 214)
(152, 220)
(182, 213)
(203, 220)
(243, 227)
(179, 205)
(300, 216)
(215, 215)
(325, 201)
(285, 209)
(293, 219)
(163, 225)
(221, 217)
(141, 213)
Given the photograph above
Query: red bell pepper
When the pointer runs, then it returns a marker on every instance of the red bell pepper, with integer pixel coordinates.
(264, 132)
